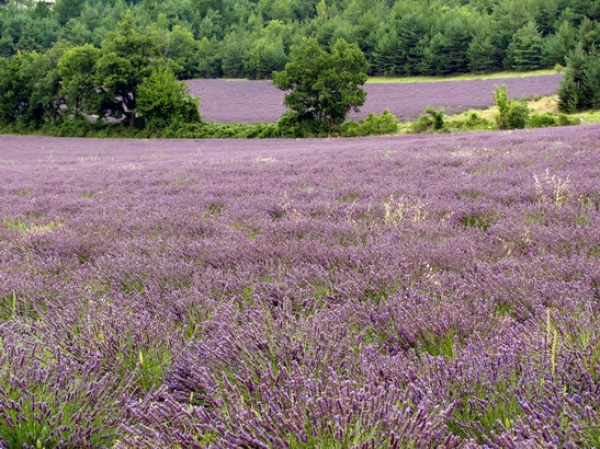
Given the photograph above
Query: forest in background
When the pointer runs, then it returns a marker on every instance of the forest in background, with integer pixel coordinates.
(251, 39)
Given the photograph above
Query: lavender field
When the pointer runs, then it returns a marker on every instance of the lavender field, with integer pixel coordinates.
(227, 101)
(417, 291)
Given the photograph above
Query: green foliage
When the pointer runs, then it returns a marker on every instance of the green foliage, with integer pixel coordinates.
(542, 120)
(580, 88)
(104, 82)
(398, 38)
(77, 70)
(163, 101)
(483, 55)
(324, 85)
(437, 117)
(67, 9)
(176, 130)
(28, 89)
(268, 53)
(525, 51)
(473, 121)
(511, 114)
(449, 47)
(295, 125)
(433, 121)
(128, 56)
(373, 125)
(183, 50)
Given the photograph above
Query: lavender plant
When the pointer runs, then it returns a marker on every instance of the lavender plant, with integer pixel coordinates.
(423, 291)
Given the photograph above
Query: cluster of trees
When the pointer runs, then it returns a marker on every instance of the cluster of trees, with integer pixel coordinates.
(580, 89)
(125, 79)
(253, 38)
(128, 81)
(89, 59)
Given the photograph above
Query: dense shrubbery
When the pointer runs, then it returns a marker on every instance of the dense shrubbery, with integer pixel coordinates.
(511, 114)
(472, 122)
(385, 123)
(433, 121)
(373, 125)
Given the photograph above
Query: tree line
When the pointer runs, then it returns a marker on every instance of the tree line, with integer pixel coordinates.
(253, 38)
(126, 85)
(132, 76)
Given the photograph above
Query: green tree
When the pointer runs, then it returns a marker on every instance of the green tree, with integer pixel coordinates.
(580, 88)
(324, 85)
(384, 53)
(66, 10)
(450, 45)
(557, 46)
(77, 70)
(267, 53)
(104, 82)
(412, 34)
(511, 114)
(164, 101)
(29, 89)
(183, 50)
(526, 50)
(128, 57)
(483, 55)
(234, 54)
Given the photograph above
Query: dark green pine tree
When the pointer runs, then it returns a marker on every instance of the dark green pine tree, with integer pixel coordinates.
(580, 88)
(450, 48)
(412, 32)
(526, 49)
(482, 55)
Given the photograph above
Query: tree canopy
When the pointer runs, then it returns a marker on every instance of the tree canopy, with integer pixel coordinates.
(233, 38)
(105, 81)
(324, 86)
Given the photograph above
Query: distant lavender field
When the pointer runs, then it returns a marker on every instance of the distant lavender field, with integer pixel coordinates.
(419, 291)
(259, 101)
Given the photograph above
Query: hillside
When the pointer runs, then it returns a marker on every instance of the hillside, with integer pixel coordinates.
(250, 39)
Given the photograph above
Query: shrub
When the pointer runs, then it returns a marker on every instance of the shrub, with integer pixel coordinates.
(437, 116)
(542, 120)
(473, 121)
(511, 114)
(293, 124)
(386, 123)
(564, 120)
(164, 101)
(549, 119)
(434, 121)
(422, 124)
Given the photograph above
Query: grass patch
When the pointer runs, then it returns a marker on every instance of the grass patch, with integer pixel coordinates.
(482, 222)
(464, 77)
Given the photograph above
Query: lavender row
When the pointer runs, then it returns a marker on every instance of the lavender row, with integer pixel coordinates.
(228, 101)
(387, 292)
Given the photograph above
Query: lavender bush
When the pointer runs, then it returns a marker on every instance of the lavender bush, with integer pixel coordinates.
(417, 291)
